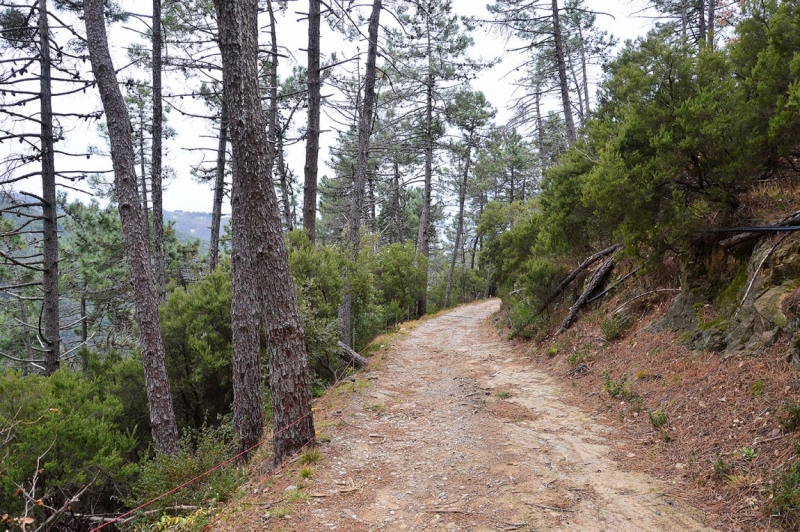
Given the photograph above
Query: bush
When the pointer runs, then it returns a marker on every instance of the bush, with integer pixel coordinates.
(200, 450)
(786, 493)
(614, 327)
(61, 431)
(792, 422)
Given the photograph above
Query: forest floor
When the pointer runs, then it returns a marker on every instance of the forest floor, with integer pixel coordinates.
(450, 427)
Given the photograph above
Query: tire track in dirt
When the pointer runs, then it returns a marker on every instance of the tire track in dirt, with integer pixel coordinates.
(432, 441)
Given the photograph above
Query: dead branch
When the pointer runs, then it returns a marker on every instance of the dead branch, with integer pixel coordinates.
(597, 279)
(350, 357)
(577, 271)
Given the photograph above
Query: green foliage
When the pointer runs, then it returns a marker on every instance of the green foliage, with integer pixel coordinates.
(620, 389)
(400, 276)
(579, 356)
(786, 492)
(792, 421)
(60, 431)
(757, 388)
(200, 450)
(658, 419)
(614, 327)
(748, 453)
(721, 468)
(196, 328)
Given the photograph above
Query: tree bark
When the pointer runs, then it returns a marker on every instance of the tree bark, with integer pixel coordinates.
(462, 192)
(312, 130)
(262, 282)
(162, 415)
(563, 81)
(423, 236)
(574, 273)
(219, 187)
(701, 37)
(595, 281)
(587, 106)
(364, 132)
(145, 200)
(350, 357)
(156, 188)
(50, 314)
(712, 4)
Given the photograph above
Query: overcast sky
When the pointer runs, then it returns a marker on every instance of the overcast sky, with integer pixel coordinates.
(185, 194)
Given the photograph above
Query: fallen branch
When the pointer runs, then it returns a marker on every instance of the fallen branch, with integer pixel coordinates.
(760, 264)
(350, 357)
(577, 271)
(556, 508)
(640, 296)
(597, 279)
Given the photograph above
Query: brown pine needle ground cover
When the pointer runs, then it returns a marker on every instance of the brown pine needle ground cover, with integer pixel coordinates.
(720, 441)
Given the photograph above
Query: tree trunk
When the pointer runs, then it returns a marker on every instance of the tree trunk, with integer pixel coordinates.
(540, 131)
(423, 236)
(712, 4)
(563, 81)
(598, 277)
(261, 276)
(587, 106)
(462, 192)
(162, 415)
(159, 260)
(312, 130)
(145, 201)
(219, 187)
(398, 219)
(283, 171)
(701, 33)
(50, 336)
(574, 273)
(364, 132)
(350, 357)
(577, 90)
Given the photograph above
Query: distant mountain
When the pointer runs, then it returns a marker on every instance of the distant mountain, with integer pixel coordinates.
(192, 224)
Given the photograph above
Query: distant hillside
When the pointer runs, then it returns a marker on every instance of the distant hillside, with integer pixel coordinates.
(192, 224)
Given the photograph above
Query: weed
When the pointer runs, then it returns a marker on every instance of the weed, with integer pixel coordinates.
(722, 468)
(614, 327)
(306, 472)
(376, 408)
(644, 374)
(757, 389)
(296, 495)
(786, 493)
(658, 419)
(579, 357)
(311, 456)
(503, 395)
(791, 423)
(281, 512)
(619, 389)
(748, 453)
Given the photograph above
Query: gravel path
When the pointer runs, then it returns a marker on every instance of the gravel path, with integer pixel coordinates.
(454, 431)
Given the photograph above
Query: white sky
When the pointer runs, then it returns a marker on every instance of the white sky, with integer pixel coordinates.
(185, 194)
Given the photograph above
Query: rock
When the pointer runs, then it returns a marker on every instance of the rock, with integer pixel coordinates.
(681, 316)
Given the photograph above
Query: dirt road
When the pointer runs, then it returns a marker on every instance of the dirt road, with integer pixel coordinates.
(455, 431)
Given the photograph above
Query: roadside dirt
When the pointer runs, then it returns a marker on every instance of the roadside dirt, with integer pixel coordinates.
(453, 430)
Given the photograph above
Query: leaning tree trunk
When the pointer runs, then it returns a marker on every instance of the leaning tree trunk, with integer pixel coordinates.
(50, 336)
(312, 130)
(156, 188)
(260, 263)
(219, 187)
(162, 415)
(563, 81)
(364, 131)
